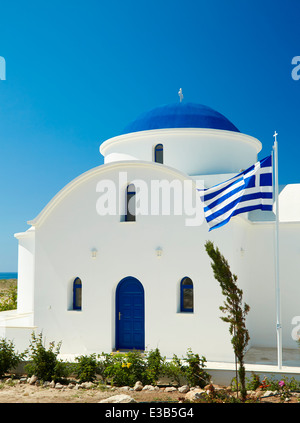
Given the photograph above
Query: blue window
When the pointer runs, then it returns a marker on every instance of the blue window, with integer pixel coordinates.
(186, 295)
(159, 153)
(77, 294)
(130, 203)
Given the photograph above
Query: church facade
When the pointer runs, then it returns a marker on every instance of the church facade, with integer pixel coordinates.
(117, 259)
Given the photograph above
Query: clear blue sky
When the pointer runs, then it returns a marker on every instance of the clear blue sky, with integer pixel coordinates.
(78, 71)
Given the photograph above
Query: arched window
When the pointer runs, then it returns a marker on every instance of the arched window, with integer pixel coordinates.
(159, 153)
(130, 203)
(186, 295)
(77, 294)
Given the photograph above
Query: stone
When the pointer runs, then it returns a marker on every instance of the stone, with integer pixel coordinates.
(122, 398)
(170, 389)
(58, 386)
(87, 385)
(268, 394)
(184, 389)
(71, 385)
(150, 388)
(32, 380)
(138, 386)
(195, 394)
(46, 384)
(125, 388)
(210, 389)
(296, 394)
(52, 384)
(251, 393)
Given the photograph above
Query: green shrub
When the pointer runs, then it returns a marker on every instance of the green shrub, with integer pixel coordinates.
(87, 367)
(253, 383)
(194, 371)
(44, 363)
(9, 359)
(174, 370)
(189, 369)
(155, 366)
(124, 369)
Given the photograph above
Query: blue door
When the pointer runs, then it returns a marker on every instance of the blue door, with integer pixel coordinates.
(130, 316)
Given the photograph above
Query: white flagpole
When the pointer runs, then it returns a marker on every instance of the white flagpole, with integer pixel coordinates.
(278, 305)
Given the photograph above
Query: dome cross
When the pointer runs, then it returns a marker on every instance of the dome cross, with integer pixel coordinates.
(180, 94)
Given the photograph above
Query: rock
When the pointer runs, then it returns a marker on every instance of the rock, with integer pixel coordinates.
(52, 384)
(122, 398)
(138, 386)
(296, 394)
(71, 385)
(171, 389)
(32, 380)
(125, 388)
(87, 385)
(148, 388)
(184, 389)
(268, 394)
(210, 389)
(58, 386)
(46, 384)
(195, 394)
(252, 393)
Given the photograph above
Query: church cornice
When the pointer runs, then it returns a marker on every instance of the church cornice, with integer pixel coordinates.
(156, 133)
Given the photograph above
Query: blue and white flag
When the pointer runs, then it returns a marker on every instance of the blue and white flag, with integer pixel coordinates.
(249, 190)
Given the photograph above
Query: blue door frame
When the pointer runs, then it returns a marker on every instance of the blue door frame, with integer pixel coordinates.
(130, 314)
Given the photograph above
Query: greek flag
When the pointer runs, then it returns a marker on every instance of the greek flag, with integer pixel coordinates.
(249, 190)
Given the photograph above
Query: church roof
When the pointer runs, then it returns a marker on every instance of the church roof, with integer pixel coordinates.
(180, 115)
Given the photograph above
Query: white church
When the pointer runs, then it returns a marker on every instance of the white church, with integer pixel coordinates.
(117, 260)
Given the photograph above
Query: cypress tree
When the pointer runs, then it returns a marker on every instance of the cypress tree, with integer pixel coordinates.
(234, 309)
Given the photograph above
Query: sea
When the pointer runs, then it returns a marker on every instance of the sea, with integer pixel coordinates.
(8, 275)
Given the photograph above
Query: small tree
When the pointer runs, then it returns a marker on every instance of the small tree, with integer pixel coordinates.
(233, 308)
(87, 367)
(44, 363)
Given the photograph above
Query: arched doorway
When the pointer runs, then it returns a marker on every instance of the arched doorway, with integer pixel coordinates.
(130, 314)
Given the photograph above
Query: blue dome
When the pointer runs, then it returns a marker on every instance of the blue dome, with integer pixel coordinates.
(180, 115)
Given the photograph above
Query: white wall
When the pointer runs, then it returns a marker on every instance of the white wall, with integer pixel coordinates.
(192, 151)
(261, 285)
(69, 228)
(26, 268)
(64, 239)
